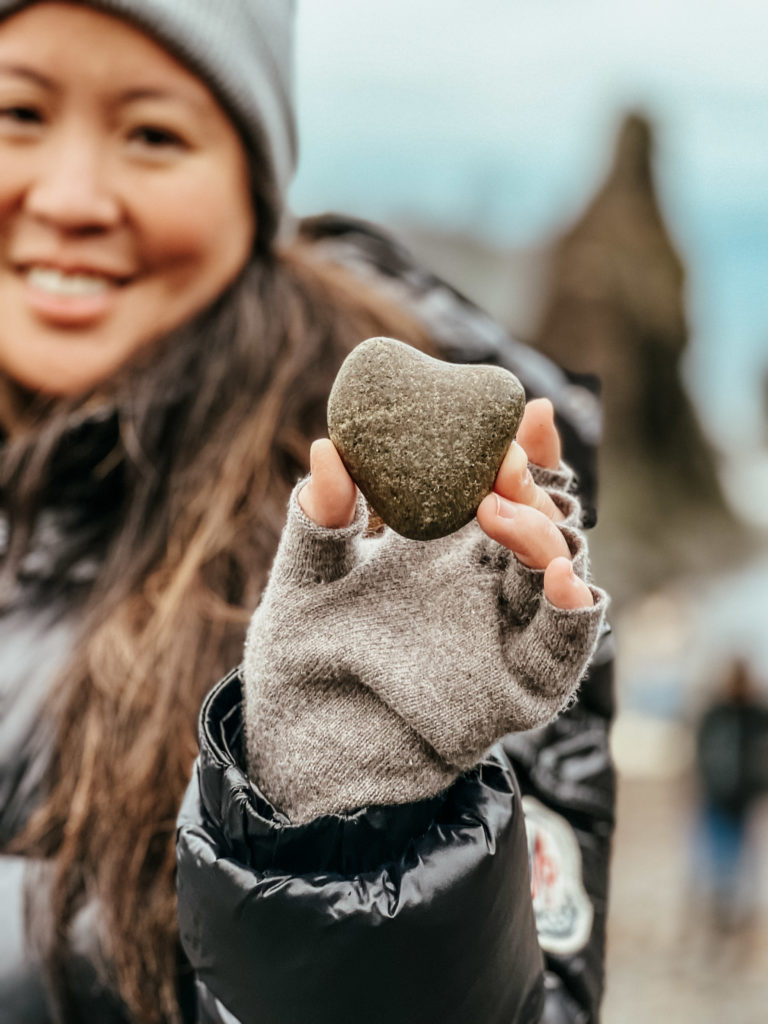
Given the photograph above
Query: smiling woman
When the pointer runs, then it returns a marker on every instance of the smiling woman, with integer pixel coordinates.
(125, 202)
(168, 340)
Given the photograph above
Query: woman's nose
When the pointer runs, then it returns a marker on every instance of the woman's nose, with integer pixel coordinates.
(71, 187)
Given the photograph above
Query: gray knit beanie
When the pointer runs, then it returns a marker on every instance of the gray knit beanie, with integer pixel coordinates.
(244, 51)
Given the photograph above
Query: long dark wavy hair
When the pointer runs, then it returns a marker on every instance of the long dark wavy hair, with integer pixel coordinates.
(209, 430)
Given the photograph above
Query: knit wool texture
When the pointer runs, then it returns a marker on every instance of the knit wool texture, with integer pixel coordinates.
(243, 49)
(378, 669)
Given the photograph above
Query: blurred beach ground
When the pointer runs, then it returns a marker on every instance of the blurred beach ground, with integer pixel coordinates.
(662, 964)
(665, 962)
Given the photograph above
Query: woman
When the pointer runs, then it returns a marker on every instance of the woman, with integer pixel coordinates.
(165, 364)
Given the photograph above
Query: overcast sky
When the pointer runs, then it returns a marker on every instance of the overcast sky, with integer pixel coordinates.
(508, 75)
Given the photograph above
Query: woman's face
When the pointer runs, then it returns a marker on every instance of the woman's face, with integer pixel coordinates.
(125, 202)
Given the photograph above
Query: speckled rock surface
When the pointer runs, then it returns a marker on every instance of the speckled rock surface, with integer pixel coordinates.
(422, 439)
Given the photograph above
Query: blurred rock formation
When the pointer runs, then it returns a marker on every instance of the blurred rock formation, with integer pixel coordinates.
(615, 307)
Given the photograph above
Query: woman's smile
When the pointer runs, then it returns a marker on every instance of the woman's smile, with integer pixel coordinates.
(70, 298)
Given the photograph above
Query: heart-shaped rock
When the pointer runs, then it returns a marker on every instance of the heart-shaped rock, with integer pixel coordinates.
(422, 439)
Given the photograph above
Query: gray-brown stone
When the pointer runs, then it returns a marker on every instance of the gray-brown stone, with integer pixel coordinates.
(422, 439)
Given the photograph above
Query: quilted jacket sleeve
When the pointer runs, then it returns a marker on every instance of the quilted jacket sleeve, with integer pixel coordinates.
(413, 914)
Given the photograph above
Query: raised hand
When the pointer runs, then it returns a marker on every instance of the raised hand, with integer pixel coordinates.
(378, 668)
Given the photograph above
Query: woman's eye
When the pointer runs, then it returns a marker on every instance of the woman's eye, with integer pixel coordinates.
(157, 138)
(20, 115)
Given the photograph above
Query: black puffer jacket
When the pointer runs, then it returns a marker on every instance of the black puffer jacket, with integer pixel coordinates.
(411, 915)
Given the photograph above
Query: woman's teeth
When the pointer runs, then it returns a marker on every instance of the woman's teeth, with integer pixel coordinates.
(55, 282)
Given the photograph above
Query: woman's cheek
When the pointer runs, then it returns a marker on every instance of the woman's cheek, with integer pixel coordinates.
(200, 231)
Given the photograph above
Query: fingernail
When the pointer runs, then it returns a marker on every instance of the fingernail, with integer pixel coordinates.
(505, 509)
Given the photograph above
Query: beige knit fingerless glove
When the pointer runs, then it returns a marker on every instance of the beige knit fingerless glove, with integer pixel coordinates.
(377, 669)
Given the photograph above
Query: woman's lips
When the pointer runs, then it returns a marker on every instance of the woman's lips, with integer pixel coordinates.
(69, 298)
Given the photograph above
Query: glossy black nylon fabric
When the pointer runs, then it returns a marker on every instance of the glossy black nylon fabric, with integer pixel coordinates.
(291, 924)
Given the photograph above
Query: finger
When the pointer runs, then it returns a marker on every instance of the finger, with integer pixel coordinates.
(328, 497)
(563, 588)
(514, 482)
(538, 434)
(531, 535)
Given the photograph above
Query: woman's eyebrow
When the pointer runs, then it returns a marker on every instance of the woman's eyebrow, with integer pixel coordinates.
(142, 92)
(21, 71)
(145, 92)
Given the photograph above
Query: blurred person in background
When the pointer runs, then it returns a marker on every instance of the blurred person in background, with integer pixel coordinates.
(168, 338)
(732, 776)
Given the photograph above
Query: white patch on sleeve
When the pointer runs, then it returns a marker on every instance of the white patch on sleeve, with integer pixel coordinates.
(563, 910)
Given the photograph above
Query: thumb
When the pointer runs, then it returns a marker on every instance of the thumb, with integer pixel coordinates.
(328, 497)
